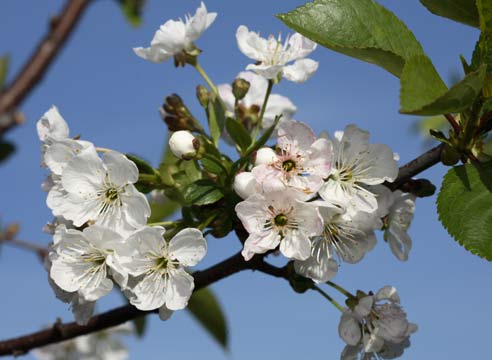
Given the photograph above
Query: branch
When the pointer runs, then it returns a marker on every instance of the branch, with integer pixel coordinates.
(416, 166)
(60, 332)
(230, 266)
(33, 71)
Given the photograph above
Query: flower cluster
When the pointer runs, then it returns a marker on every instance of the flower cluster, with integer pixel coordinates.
(375, 326)
(103, 345)
(321, 200)
(100, 232)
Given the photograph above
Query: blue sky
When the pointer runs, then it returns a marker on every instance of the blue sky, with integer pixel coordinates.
(111, 97)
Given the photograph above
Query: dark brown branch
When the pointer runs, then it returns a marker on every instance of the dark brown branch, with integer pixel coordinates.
(232, 265)
(37, 65)
(454, 124)
(416, 166)
(61, 332)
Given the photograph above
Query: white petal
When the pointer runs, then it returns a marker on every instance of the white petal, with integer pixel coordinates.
(300, 47)
(84, 174)
(246, 185)
(364, 307)
(52, 126)
(154, 54)
(150, 292)
(188, 246)
(300, 71)
(296, 245)
(199, 23)
(372, 343)
(121, 171)
(251, 44)
(267, 71)
(260, 244)
(320, 272)
(388, 293)
(349, 329)
(179, 289)
(171, 36)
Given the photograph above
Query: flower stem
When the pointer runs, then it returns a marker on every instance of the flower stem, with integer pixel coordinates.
(166, 224)
(340, 289)
(263, 108)
(207, 222)
(329, 298)
(206, 78)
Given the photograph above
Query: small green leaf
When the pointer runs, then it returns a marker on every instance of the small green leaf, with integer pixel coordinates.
(464, 205)
(359, 28)
(140, 324)
(212, 166)
(216, 119)
(463, 11)
(6, 150)
(143, 166)
(205, 308)
(422, 91)
(4, 68)
(202, 192)
(132, 9)
(238, 133)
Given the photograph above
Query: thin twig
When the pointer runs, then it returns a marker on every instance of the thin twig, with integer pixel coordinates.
(39, 250)
(44, 54)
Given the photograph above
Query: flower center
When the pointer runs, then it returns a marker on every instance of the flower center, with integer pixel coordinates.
(281, 220)
(96, 258)
(161, 263)
(111, 194)
(288, 165)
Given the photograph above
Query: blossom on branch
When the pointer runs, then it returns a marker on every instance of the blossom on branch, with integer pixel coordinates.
(176, 36)
(271, 56)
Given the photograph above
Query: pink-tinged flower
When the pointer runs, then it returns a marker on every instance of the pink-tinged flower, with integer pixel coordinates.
(301, 161)
(279, 218)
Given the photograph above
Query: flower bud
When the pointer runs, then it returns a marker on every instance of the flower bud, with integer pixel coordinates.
(245, 185)
(265, 155)
(203, 95)
(240, 88)
(184, 145)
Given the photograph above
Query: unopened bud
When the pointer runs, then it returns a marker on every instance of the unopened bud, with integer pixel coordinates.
(240, 88)
(265, 155)
(449, 155)
(173, 101)
(203, 95)
(184, 145)
(246, 185)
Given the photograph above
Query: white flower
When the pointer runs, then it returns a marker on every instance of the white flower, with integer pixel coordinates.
(160, 280)
(250, 106)
(279, 218)
(57, 147)
(102, 345)
(183, 144)
(356, 163)
(246, 185)
(345, 236)
(397, 222)
(52, 126)
(175, 36)
(389, 350)
(376, 320)
(265, 155)
(301, 162)
(84, 261)
(271, 56)
(100, 191)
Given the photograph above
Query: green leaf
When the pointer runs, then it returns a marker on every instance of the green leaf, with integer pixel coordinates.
(422, 91)
(140, 324)
(216, 119)
(212, 166)
(132, 9)
(205, 308)
(162, 210)
(238, 133)
(143, 166)
(4, 67)
(359, 28)
(202, 192)
(464, 205)
(6, 150)
(463, 11)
